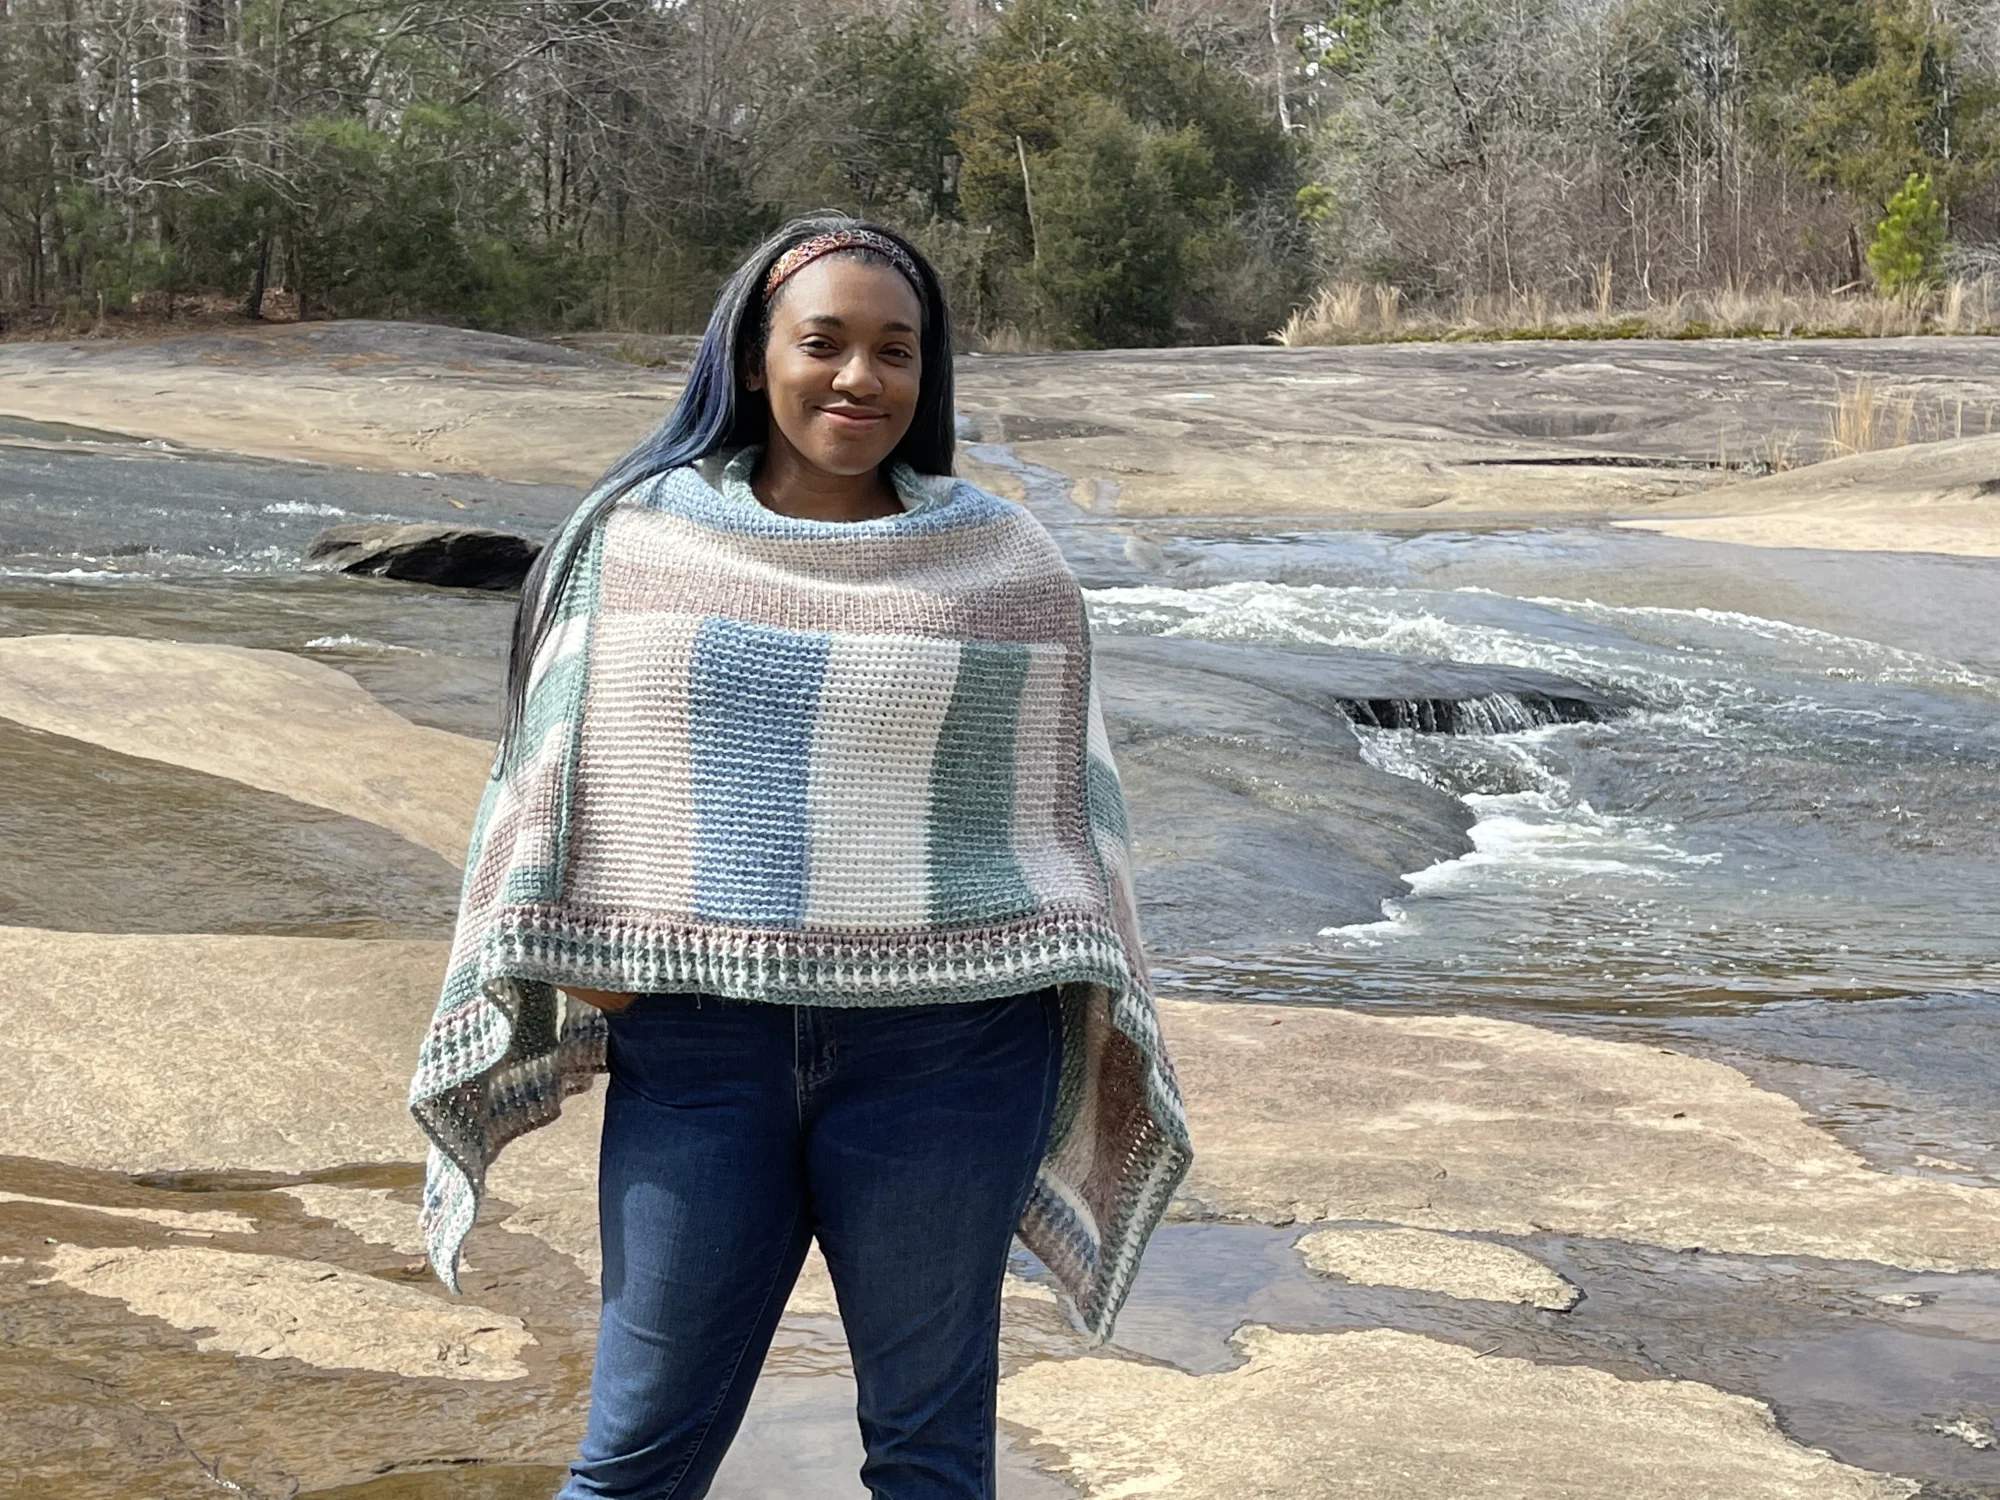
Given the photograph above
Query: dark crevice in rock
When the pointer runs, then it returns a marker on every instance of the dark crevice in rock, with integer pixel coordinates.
(1588, 461)
(1492, 713)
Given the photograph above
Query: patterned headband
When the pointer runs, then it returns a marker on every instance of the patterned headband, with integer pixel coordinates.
(805, 252)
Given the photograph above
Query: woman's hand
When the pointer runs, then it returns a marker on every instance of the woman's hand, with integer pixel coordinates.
(602, 999)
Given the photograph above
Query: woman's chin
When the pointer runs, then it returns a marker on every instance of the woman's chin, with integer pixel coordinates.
(849, 457)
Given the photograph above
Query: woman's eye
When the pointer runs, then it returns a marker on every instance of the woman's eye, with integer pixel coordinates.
(819, 346)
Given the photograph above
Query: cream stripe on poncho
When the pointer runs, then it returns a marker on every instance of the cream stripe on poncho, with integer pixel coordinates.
(830, 763)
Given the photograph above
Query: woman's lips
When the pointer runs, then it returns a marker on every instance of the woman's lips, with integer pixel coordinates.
(855, 417)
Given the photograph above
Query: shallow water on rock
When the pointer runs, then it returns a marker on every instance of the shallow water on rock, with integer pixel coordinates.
(107, 1403)
(140, 510)
(102, 842)
(1881, 1368)
(462, 1482)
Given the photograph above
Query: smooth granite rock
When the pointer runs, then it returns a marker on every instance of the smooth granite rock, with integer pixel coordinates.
(276, 1307)
(266, 718)
(1399, 1416)
(1424, 1260)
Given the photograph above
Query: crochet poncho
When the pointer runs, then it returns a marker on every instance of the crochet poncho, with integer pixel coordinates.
(829, 763)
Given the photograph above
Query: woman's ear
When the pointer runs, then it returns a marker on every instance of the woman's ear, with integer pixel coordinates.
(753, 372)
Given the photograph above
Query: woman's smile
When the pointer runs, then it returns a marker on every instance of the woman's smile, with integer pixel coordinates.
(856, 418)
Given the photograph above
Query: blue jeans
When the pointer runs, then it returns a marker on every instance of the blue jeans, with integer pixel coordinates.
(904, 1138)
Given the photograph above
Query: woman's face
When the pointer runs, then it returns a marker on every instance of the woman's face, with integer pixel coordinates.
(842, 365)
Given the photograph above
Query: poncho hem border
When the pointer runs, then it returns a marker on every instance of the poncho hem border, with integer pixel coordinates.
(551, 944)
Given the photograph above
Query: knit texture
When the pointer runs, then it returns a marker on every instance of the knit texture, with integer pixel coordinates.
(808, 762)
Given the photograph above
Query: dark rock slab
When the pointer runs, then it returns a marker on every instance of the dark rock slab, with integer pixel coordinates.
(1254, 818)
(466, 557)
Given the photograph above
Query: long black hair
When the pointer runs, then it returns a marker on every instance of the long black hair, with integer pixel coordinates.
(716, 411)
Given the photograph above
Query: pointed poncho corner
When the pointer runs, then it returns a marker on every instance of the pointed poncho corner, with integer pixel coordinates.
(831, 763)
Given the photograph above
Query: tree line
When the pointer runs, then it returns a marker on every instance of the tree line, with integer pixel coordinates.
(1083, 171)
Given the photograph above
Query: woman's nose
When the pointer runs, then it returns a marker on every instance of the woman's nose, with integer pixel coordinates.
(857, 376)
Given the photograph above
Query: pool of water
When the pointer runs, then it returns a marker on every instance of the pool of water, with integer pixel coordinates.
(1874, 1367)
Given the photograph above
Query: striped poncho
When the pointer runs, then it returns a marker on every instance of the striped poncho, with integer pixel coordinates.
(835, 763)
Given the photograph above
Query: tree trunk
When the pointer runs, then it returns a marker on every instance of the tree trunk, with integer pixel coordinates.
(257, 279)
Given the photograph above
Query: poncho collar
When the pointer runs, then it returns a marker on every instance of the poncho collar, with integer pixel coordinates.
(730, 479)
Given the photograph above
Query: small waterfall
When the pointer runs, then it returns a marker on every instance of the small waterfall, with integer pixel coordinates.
(1494, 713)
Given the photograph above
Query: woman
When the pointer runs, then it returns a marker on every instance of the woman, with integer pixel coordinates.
(803, 826)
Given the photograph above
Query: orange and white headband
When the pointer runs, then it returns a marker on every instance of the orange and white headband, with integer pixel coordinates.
(805, 252)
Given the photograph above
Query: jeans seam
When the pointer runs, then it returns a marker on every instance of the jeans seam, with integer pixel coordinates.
(729, 1382)
(989, 1436)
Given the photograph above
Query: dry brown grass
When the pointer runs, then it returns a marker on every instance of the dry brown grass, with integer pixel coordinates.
(1352, 312)
(1866, 418)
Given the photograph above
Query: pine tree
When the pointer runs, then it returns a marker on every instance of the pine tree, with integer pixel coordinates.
(1908, 248)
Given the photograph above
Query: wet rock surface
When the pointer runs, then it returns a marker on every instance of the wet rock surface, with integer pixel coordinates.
(218, 511)
(107, 1400)
(1775, 1329)
(462, 557)
(1368, 687)
(1254, 816)
(1574, 739)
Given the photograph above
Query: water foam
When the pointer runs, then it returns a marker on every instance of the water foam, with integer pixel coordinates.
(302, 508)
(345, 642)
(1397, 621)
(1531, 830)
(1657, 655)
(74, 573)
(1537, 839)
(1545, 835)
(1847, 657)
